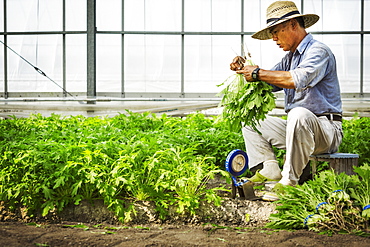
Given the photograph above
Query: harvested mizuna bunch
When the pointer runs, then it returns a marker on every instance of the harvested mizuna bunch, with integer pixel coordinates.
(362, 192)
(330, 203)
(245, 103)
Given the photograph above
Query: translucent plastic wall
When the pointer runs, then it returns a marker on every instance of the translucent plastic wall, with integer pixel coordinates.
(162, 48)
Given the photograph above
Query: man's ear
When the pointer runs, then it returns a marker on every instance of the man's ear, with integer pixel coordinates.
(294, 23)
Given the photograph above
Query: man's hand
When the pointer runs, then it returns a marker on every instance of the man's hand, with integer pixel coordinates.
(237, 63)
(247, 72)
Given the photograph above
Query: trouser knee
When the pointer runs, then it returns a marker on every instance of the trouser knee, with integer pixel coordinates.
(299, 114)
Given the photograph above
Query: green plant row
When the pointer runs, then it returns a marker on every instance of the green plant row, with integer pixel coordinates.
(49, 162)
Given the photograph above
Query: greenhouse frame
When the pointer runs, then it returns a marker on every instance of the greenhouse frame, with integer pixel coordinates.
(159, 50)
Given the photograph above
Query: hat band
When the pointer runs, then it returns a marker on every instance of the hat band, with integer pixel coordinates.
(274, 20)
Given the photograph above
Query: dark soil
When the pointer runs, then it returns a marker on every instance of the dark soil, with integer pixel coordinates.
(21, 234)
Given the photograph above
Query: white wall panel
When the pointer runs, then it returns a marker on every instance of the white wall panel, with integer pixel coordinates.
(213, 15)
(152, 63)
(367, 15)
(207, 61)
(108, 63)
(152, 15)
(367, 64)
(1, 67)
(76, 15)
(76, 63)
(34, 15)
(335, 15)
(108, 15)
(347, 52)
(43, 52)
(1, 15)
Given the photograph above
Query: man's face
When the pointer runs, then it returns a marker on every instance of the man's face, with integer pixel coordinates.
(282, 34)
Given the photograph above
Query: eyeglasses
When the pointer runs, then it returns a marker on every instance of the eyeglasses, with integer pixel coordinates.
(276, 29)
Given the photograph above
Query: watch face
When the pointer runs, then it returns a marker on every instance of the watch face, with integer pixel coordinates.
(255, 74)
(238, 163)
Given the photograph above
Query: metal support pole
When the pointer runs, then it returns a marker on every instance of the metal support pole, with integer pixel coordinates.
(123, 51)
(64, 49)
(182, 49)
(242, 28)
(91, 48)
(362, 44)
(302, 6)
(5, 53)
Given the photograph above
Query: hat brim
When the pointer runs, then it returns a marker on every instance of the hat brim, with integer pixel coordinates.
(308, 19)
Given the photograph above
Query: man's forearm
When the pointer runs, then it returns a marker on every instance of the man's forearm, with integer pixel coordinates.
(282, 79)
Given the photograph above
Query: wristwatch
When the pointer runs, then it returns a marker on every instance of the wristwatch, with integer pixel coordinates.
(255, 74)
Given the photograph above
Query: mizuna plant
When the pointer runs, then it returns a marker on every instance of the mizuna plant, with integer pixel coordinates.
(245, 103)
(331, 203)
(47, 163)
(356, 138)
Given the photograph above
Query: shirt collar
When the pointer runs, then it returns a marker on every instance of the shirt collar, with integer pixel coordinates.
(304, 43)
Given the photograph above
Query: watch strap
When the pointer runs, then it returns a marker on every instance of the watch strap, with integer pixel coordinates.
(255, 74)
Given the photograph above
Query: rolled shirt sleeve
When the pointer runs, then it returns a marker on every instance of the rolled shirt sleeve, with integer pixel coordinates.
(311, 70)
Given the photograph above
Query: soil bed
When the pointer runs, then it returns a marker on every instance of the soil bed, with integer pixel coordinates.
(235, 223)
(20, 234)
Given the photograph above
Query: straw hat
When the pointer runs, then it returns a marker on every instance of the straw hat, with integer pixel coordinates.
(279, 12)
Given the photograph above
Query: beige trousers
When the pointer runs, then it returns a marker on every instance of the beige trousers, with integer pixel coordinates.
(302, 134)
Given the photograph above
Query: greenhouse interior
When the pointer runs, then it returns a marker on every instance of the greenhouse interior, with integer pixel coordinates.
(137, 112)
(101, 57)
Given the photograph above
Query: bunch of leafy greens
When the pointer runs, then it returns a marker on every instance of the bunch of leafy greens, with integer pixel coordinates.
(331, 203)
(356, 138)
(245, 102)
(362, 193)
(47, 163)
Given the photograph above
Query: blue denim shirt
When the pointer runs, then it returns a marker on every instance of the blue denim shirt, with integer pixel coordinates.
(314, 72)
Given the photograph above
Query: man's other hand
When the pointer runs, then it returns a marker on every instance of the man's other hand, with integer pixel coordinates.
(237, 63)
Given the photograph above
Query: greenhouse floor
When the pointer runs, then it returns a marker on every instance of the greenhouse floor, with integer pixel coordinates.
(172, 107)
